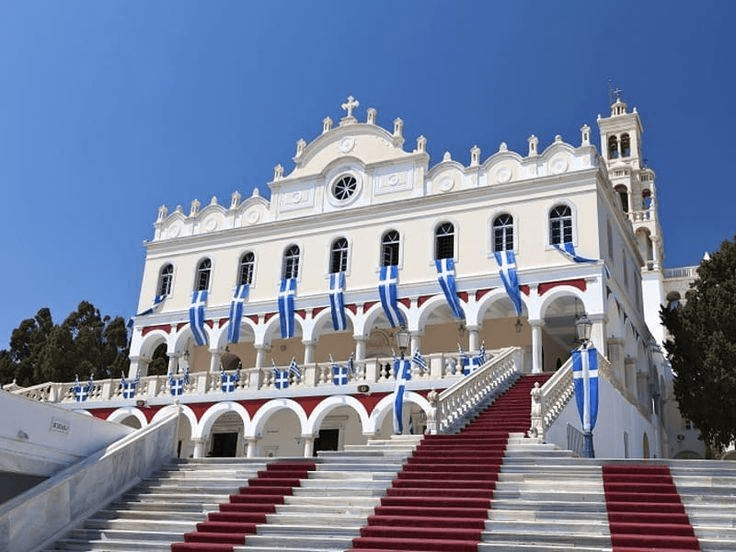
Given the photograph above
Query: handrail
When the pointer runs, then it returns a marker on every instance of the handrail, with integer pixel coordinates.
(462, 397)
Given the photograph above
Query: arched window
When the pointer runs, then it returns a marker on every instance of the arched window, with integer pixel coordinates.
(560, 225)
(612, 147)
(646, 199)
(202, 281)
(247, 263)
(625, 145)
(623, 194)
(291, 262)
(444, 241)
(339, 256)
(390, 248)
(503, 233)
(165, 279)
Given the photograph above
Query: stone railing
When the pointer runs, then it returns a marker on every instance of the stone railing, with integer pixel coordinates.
(641, 216)
(461, 398)
(549, 400)
(319, 375)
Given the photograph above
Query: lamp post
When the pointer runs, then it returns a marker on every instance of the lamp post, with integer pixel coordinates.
(583, 327)
(402, 340)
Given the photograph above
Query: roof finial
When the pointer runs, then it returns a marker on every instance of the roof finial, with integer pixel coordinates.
(614, 94)
(351, 104)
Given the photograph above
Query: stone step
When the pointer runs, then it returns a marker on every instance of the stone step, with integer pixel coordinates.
(302, 543)
(586, 527)
(110, 545)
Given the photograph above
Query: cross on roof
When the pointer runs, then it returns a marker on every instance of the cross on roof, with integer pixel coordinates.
(349, 105)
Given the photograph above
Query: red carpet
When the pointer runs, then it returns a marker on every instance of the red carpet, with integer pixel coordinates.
(248, 508)
(645, 513)
(439, 501)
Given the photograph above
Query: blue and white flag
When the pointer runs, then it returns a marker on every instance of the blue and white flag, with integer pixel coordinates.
(294, 369)
(506, 261)
(129, 387)
(341, 373)
(237, 304)
(153, 308)
(467, 363)
(402, 373)
(388, 290)
(337, 301)
(228, 381)
(177, 385)
(481, 356)
(585, 384)
(280, 377)
(568, 249)
(196, 316)
(418, 359)
(287, 293)
(446, 278)
(82, 392)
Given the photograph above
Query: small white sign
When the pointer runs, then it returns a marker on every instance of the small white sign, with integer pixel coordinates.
(57, 424)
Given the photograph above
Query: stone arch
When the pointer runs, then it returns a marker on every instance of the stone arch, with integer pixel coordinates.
(246, 323)
(272, 406)
(420, 317)
(386, 405)
(498, 299)
(210, 416)
(185, 411)
(330, 403)
(376, 311)
(152, 340)
(125, 412)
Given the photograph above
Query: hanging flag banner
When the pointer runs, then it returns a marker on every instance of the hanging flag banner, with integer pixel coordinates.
(446, 278)
(402, 373)
(129, 387)
(286, 307)
(568, 249)
(337, 301)
(228, 381)
(237, 304)
(82, 392)
(177, 385)
(585, 384)
(388, 290)
(196, 316)
(506, 261)
(153, 308)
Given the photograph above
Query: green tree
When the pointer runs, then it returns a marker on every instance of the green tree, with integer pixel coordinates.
(702, 348)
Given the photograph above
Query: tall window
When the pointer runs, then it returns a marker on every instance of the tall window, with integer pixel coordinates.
(203, 275)
(625, 145)
(444, 241)
(247, 262)
(291, 262)
(164, 280)
(503, 233)
(560, 225)
(613, 147)
(390, 248)
(339, 256)
(623, 194)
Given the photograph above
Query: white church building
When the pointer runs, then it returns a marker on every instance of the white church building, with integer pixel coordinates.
(279, 316)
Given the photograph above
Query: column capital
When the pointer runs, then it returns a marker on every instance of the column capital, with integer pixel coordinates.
(535, 323)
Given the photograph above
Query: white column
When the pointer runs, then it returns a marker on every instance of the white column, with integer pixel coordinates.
(173, 362)
(260, 355)
(308, 446)
(309, 347)
(138, 363)
(597, 332)
(359, 348)
(473, 340)
(536, 326)
(199, 446)
(416, 343)
(251, 450)
(215, 358)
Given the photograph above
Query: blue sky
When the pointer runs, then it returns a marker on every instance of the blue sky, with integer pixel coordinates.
(109, 109)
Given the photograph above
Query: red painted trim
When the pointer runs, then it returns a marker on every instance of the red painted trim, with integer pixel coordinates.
(223, 321)
(422, 299)
(481, 292)
(268, 316)
(302, 313)
(406, 302)
(317, 310)
(352, 308)
(525, 289)
(463, 295)
(368, 305)
(253, 318)
(180, 325)
(210, 323)
(165, 327)
(577, 283)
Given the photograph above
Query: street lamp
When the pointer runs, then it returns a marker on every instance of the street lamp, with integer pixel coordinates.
(583, 326)
(402, 340)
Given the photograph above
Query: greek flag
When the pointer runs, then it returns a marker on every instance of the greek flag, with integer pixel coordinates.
(418, 359)
(469, 364)
(237, 304)
(196, 316)
(337, 301)
(228, 381)
(481, 354)
(506, 261)
(568, 249)
(294, 369)
(339, 373)
(280, 377)
(153, 308)
(176, 385)
(387, 289)
(402, 373)
(446, 278)
(129, 387)
(585, 383)
(286, 306)
(82, 392)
